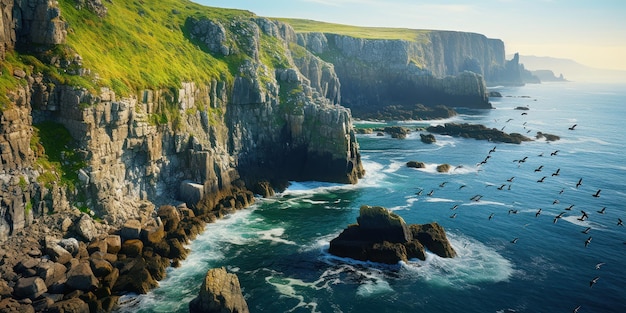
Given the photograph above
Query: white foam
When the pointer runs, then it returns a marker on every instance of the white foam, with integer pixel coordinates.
(274, 235)
(394, 166)
(430, 199)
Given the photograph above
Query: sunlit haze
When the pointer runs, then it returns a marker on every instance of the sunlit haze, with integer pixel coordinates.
(592, 33)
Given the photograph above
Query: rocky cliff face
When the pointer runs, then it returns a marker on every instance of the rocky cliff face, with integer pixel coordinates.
(442, 68)
(202, 143)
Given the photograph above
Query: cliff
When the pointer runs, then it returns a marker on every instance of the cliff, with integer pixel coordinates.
(212, 108)
(382, 67)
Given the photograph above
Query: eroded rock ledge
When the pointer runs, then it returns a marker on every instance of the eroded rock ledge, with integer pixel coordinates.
(382, 236)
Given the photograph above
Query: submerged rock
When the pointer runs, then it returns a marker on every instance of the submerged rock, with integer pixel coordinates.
(382, 236)
(429, 138)
(220, 292)
(415, 164)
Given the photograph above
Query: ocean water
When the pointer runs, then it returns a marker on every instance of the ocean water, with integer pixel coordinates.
(278, 247)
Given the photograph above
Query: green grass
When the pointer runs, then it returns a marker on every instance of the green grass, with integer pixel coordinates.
(144, 43)
(309, 26)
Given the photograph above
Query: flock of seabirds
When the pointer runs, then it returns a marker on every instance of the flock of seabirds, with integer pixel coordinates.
(509, 182)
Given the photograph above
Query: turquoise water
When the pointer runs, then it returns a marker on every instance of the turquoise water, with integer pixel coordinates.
(278, 248)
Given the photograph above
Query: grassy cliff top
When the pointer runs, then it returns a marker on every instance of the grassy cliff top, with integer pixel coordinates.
(310, 26)
(144, 44)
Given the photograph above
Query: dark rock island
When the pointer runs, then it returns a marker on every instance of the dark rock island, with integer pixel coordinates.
(383, 236)
(479, 132)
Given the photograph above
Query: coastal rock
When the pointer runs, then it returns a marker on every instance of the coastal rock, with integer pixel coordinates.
(495, 94)
(114, 243)
(428, 138)
(29, 287)
(397, 131)
(220, 292)
(73, 305)
(86, 228)
(135, 277)
(548, 137)
(415, 164)
(443, 168)
(383, 236)
(479, 132)
(80, 277)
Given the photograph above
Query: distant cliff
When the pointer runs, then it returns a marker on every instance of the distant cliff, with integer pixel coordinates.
(436, 67)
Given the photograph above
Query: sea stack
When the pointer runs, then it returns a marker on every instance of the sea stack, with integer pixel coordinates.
(383, 236)
(220, 293)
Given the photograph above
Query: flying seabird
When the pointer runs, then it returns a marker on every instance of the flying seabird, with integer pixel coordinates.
(419, 193)
(540, 154)
(576, 309)
(454, 207)
(597, 194)
(430, 193)
(443, 184)
(620, 222)
(556, 201)
(586, 231)
(524, 113)
(557, 173)
(511, 211)
(453, 215)
(573, 126)
(541, 180)
(501, 129)
(580, 182)
(514, 240)
(599, 265)
(539, 168)
(588, 241)
(554, 153)
(569, 208)
(491, 216)
(492, 150)
(562, 191)
(476, 197)
(602, 211)
(584, 216)
(538, 213)
(593, 281)
(462, 186)
(556, 218)
(510, 180)
(502, 187)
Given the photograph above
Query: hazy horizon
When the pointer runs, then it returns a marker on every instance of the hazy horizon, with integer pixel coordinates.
(590, 33)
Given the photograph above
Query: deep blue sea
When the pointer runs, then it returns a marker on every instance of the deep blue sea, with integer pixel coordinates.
(278, 247)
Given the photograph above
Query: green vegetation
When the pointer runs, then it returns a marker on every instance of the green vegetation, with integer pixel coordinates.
(57, 158)
(309, 26)
(291, 97)
(28, 207)
(22, 183)
(143, 44)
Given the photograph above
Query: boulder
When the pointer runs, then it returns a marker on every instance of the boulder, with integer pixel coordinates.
(135, 277)
(429, 138)
(81, 277)
(415, 164)
(383, 236)
(443, 168)
(86, 228)
(5, 289)
(100, 267)
(131, 230)
(29, 287)
(397, 131)
(51, 272)
(70, 244)
(57, 253)
(73, 305)
(220, 292)
(170, 217)
(132, 247)
(114, 243)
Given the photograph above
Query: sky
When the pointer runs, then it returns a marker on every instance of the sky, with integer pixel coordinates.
(591, 32)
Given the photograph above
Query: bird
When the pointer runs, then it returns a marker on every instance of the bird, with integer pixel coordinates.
(501, 129)
(419, 193)
(462, 186)
(593, 281)
(580, 182)
(588, 241)
(491, 216)
(569, 208)
(584, 216)
(510, 180)
(443, 184)
(539, 168)
(602, 211)
(511, 211)
(538, 213)
(453, 215)
(454, 207)
(556, 201)
(586, 231)
(599, 265)
(541, 180)
(514, 240)
(572, 127)
(525, 123)
(620, 222)
(501, 187)
(554, 153)
(508, 120)
(576, 309)
(562, 191)
(492, 150)
(557, 173)
(556, 218)
(524, 113)
(476, 197)
(540, 154)
(597, 194)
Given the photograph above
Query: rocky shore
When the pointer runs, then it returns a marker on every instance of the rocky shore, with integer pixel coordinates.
(93, 265)
(479, 132)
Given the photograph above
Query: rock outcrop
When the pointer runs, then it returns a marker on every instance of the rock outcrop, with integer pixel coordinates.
(220, 293)
(479, 132)
(383, 236)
